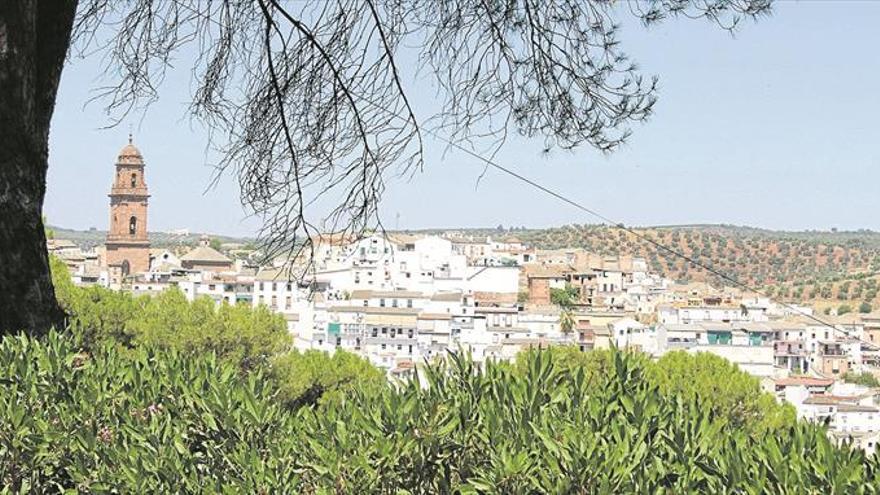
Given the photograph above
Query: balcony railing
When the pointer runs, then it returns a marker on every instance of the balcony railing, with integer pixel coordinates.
(789, 351)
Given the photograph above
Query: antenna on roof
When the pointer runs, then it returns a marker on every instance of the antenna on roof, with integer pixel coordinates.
(129, 133)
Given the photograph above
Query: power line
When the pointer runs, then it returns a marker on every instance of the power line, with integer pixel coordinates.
(590, 211)
(638, 235)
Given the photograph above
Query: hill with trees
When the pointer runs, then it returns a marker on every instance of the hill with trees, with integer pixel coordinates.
(95, 237)
(810, 266)
(827, 268)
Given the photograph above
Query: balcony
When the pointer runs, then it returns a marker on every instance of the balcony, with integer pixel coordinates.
(788, 349)
(832, 350)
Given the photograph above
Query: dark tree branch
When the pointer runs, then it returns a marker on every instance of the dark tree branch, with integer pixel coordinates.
(310, 106)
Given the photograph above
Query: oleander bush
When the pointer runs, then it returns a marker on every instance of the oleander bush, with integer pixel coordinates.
(155, 420)
(144, 421)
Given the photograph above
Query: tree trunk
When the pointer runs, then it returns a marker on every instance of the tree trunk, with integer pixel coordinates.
(34, 37)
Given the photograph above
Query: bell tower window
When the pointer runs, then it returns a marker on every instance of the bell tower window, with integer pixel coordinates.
(132, 225)
(134, 180)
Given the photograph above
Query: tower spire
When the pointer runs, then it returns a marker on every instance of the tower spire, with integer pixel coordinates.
(127, 245)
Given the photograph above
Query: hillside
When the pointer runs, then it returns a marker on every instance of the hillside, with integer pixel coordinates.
(808, 266)
(796, 266)
(818, 267)
(93, 237)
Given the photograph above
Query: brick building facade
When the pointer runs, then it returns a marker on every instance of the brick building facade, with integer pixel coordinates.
(127, 246)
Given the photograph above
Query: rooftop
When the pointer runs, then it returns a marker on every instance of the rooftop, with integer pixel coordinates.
(205, 254)
(807, 381)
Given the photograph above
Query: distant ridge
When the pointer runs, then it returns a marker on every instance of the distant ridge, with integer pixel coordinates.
(91, 238)
(833, 267)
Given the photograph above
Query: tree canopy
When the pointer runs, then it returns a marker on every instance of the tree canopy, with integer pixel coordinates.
(313, 377)
(240, 334)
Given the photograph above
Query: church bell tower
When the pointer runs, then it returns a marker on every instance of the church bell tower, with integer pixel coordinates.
(127, 246)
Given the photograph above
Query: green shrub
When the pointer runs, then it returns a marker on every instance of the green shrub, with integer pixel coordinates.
(734, 395)
(238, 333)
(866, 379)
(312, 377)
(564, 298)
(143, 421)
(158, 421)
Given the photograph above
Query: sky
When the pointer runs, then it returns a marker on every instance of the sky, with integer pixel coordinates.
(775, 127)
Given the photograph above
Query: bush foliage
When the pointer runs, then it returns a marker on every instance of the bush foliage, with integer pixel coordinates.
(155, 421)
(239, 333)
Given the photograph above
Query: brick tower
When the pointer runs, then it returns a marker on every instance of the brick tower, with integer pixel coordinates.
(127, 245)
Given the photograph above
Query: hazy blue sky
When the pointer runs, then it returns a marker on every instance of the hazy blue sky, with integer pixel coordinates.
(775, 128)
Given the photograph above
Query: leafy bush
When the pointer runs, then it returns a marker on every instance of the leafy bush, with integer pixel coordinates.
(142, 421)
(239, 333)
(866, 379)
(564, 298)
(312, 377)
(734, 396)
(156, 421)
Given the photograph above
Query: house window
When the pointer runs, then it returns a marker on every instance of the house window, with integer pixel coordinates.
(409, 303)
(365, 303)
(394, 303)
(381, 303)
(384, 346)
